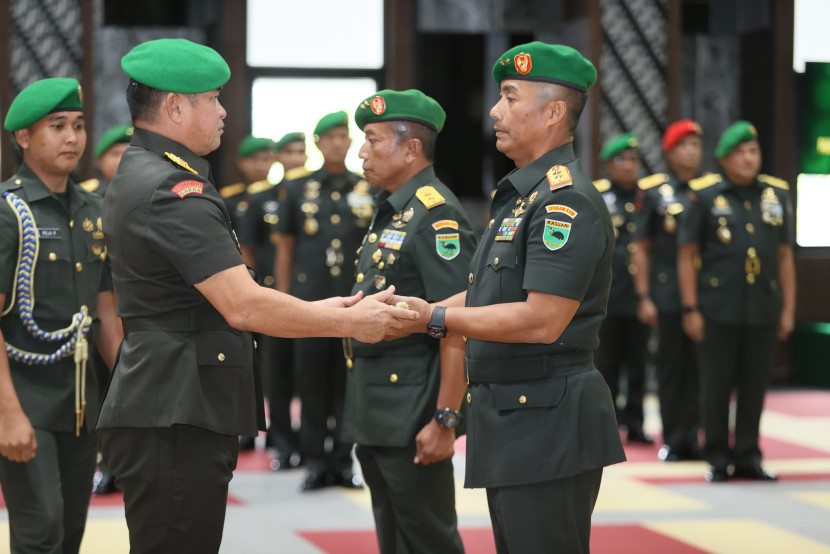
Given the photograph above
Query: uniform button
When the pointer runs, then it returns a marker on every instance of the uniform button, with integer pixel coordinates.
(17, 181)
(381, 265)
(52, 256)
(359, 278)
(750, 278)
(630, 247)
(631, 227)
(491, 223)
(662, 277)
(221, 357)
(522, 399)
(629, 207)
(269, 280)
(255, 345)
(470, 278)
(335, 219)
(349, 363)
(751, 252)
(632, 269)
(750, 228)
(469, 398)
(335, 271)
(721, 221)
(496, 260)
(103, 256)
(747, 204)
(714, 282)
(393, 378)
(373, 237)
(773, 284)
(302, 278)
(335, 196)
(335, 243)
(355, 263)
(79, 267)
(72, 224)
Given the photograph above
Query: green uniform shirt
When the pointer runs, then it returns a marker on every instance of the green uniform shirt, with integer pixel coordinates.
(622, 206)
(258, 227)
(70, 271)
(539, 412)
(739, 230)
(328, 216)
(421, 242)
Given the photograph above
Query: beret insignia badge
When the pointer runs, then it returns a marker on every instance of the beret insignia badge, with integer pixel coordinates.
(378, 105)
(523, 63)
(80, 95)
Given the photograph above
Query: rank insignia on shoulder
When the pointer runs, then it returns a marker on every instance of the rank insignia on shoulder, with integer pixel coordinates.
(391, 239)
(559, 176)
(448, 246)
(507, 229)
(90, 185)
(705, 181)
(560, 208)
(556, 234)
(429, 197)
(602, 185)
(652, 181)
(774, 181)
(445, 223)
(180, 162)
(188, 187)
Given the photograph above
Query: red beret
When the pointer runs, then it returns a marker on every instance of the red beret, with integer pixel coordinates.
(677, 131)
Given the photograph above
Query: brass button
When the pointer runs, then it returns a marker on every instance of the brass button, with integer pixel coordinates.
(52, 256)
(221, 357)
(335, 271)
(72, 224)
(394, 377)
(630, 247)
(79, 267)
(381, 265)
(103, 256)
(750, 228)
(335, 219)
(335, 243)
(373, 237)
(359, 278)
(714, 282)
(469, 398)
(630, 226)
(632, 269)
(349, 363)
(629, 207)
(335, 196)
(721, 221)
(302, 278)
(747, 204)
(471, 278)
(750, 278)
(491, 223)
(255, 345)
(269, 280)
(662, 277)
(751, 252)
(522, 399)
(773, 284)
(355, 263)
(496, 260)
(17, 181)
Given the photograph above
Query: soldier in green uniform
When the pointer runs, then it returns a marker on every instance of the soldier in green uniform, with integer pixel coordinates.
(623, 339)
(108, 154)
(403, 396)
(258, 240)
(254, 158)
(321, 223)
(541, 422)
(664, 199)
(737, 287)
(54, 281)
(184, 386)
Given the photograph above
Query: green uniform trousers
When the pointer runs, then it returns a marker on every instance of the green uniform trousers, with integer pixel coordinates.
(276, 361)
(413, 504)
(677, 383)
(739, 357)
(540, 518)
(175, 482)
(622, 344)
(48, 497)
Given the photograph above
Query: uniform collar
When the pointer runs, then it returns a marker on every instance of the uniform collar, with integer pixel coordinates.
(36, 190)
(401, 197)
(525, 179)
(161, 145)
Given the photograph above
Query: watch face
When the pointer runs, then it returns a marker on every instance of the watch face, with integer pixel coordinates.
(450, 419)
(436, 333)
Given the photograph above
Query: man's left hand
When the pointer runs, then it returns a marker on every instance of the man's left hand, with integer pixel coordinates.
(341, 301)
(434, 443)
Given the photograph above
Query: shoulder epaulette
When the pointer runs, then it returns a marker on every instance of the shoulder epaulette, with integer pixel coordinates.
(259, 186)
(232, 190)
(296, 173)
(180, 162)
(774, 181)
(602, 185)
(90, 185)
(705, 182)
(429, 197)
(652, 181)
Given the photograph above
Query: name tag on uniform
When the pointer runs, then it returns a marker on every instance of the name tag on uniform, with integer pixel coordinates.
(507, 229)
(48, 233)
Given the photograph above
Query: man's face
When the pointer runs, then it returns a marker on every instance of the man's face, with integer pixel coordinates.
(55, 143)
(109, 160)
(205, 121)
(519, 124)
(384, 161)
(334, 144)
(624, 168)
(743, 163)
(292, 155)
(686, 154)
(256, 166)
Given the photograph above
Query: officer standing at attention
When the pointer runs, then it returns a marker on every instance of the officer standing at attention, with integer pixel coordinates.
(321, 223)
(403, 396)
(664, 200)
(258, 240)
(541, 422)
(737, 287)
(623, 339)
(254, 158)
(108, 152)
(54, 280)
(184, 386)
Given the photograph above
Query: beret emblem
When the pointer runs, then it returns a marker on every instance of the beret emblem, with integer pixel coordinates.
(523, 63)
(378, 105)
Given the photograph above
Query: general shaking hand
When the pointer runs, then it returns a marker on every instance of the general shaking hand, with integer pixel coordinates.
(376, 316)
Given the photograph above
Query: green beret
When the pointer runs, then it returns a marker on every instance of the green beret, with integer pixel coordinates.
(250, 145)
(331, 121)
(616, 145)
(407, 105)
(550, 63)
(176, 65)
(288, 138)
(121, 133)
(735, 134)
(41, 98)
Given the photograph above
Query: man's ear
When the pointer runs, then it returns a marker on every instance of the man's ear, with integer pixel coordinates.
(22, 138)
(172, 107)
(556, 112)
(414, 148)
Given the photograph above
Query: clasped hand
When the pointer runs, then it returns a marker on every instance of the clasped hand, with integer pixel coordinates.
(376, 317)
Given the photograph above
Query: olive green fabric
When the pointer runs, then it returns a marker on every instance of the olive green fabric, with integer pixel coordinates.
(407, 105)
(628, 141)
(287, 139)
(735, 134)
(250, 145)
(331, 121)
(176, 65)
(551, 63)
(116, 135)
(41, 98)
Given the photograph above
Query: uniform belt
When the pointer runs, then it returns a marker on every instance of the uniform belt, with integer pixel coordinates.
(200, 318)
(512, 370)
(408, 346)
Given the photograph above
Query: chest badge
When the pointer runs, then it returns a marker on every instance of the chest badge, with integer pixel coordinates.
(556, 234)
(507, 229)
(391, 239)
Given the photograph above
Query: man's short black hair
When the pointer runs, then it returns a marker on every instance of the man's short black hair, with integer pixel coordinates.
(144, 101)
(405, 130)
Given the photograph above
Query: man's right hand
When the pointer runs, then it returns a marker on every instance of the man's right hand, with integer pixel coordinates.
(694, 326)
(373, 318)
(647, 312)
(17, 437)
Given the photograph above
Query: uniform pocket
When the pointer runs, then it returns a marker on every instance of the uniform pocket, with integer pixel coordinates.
(544, 393)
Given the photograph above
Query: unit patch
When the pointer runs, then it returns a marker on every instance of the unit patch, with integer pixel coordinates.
(445, 223)
(188, 187)
(559, 176)
(507, 229)
(391, 239)
(556, 234)
(559, 208)
(448, 246)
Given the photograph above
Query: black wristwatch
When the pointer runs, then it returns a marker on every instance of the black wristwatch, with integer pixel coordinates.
(447, 418)
(688, 309)
(436, 328)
